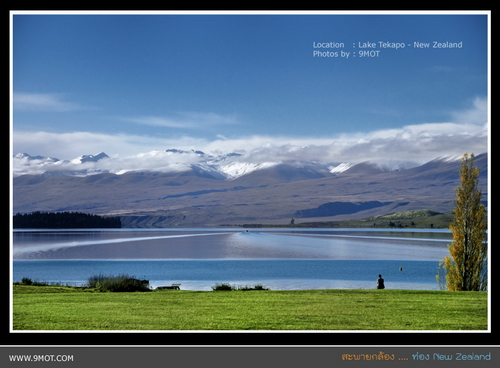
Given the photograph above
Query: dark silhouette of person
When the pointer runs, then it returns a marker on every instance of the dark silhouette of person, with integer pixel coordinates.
(380, 282)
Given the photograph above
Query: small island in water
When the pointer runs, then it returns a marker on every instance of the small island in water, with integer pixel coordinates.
(63, 220)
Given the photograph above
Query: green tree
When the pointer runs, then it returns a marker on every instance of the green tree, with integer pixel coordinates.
(466, 266)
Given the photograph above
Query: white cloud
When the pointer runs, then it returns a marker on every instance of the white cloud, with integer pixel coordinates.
(43, 102)
(477, 114)
(185, 120)
(161, 122)
(150, 161)
(71, 145)
(148, 153)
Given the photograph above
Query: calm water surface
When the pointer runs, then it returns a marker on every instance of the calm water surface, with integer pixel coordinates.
(199, 258)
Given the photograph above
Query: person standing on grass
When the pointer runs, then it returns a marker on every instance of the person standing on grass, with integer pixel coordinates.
(380, 282)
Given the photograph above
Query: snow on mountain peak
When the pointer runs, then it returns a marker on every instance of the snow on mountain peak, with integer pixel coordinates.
(26, 156)
(227, 166)
(340, 168)
(236, 169)
(89, 158)
(449, 158)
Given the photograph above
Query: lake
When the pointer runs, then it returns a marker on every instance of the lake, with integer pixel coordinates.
(281, 259)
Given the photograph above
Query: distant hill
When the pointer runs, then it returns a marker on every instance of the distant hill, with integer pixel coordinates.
(339, 208)
(204, 194)
(426, 219)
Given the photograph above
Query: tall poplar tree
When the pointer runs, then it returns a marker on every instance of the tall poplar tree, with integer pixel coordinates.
(466, 266)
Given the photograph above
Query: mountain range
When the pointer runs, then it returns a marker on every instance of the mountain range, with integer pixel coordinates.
(191, 188)
(224, 167)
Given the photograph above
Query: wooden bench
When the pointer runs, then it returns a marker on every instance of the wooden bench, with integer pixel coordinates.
(173, 286)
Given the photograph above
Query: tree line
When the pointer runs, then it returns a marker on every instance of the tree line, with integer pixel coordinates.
(64, 220)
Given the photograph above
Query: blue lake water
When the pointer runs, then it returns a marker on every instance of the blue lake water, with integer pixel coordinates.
(281, 259)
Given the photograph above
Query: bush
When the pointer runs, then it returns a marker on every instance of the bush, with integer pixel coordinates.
(260, 287)
(120, 283)
(256, 287)
(26, 281)
(227, 287)
(222, 287)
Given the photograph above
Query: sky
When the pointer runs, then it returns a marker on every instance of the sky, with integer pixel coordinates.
(128, 84)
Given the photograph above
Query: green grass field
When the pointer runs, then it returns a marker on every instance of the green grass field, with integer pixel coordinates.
(66, 308)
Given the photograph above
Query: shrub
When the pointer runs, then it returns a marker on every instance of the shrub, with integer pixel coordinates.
(222, 287)
(256, 287)
(26, 281)
(120, 283)
(259, 287)
(227, 287)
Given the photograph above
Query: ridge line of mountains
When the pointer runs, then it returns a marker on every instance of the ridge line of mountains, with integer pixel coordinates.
(191, 188)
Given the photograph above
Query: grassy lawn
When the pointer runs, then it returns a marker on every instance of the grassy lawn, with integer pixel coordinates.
(65, 308)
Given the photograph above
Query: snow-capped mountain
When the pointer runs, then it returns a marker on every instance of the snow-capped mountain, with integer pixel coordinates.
(228, 166)
(224, 167)
(234, 165)
(24, 164)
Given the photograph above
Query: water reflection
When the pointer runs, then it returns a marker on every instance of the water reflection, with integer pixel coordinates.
(230, 244)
